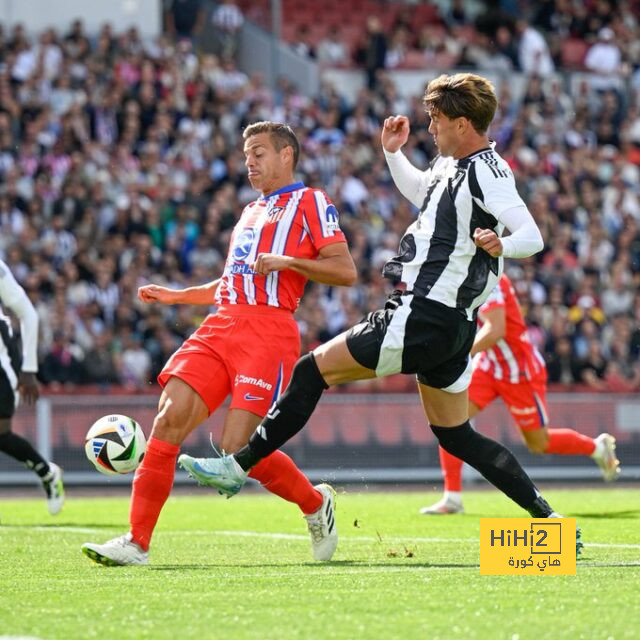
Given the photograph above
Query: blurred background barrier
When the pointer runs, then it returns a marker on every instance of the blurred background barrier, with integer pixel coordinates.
(352, 437)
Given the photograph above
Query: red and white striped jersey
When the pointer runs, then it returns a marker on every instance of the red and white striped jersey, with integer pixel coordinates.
(293, 221)
(513, 358)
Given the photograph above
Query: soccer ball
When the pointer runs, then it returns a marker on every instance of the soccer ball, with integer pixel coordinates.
(115, 444)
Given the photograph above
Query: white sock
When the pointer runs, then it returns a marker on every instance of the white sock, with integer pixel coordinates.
(598, 452)
(453, 496)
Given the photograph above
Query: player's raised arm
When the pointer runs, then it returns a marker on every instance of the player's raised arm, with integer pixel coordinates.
(408, 179)
(200, 295)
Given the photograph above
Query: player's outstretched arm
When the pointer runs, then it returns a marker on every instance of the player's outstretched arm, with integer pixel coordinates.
(334, 265)
(200, 295)
(408, 179)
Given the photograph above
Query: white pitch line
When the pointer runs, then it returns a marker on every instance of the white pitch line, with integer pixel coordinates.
(298, 536)
(295, 536)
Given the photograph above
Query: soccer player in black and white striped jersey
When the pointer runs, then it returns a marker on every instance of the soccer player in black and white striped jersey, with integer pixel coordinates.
(449, 261)
(18, 379)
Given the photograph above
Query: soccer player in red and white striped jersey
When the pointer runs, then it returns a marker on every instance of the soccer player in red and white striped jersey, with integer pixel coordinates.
(508, 366)
(248, 348)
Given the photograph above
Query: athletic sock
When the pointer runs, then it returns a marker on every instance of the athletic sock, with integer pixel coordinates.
(451, 470)
(496, 463)
(22, 450)
(288, 415)
(151, 488)
(569, 443)
(279, 474)
(453, 496)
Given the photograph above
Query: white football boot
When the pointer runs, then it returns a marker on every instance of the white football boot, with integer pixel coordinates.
(605, 457)
(322, 525)
(118, 552)
(445, 506)
(223, 473)
(54, 488)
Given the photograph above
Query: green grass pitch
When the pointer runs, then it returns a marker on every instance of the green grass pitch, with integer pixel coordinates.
(241, 568)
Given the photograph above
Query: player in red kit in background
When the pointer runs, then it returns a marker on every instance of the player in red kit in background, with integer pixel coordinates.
(508, 366)
(246, 349)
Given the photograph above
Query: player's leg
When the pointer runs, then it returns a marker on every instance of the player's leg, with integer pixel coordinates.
(277, 473)
(23, 451)
(447, 415)
(329, 364)
(195, 383)
(482, 391)
(528, 407)
(180, 410)
(451, 466)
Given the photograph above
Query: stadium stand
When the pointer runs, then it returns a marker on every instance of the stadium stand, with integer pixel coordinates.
(120, 165)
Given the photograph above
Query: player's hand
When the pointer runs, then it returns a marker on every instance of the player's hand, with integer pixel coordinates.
(155, 293)
(268, 262)
(28, 387)
(395, 132)
(489, 241)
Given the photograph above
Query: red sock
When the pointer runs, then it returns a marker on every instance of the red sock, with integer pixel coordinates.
(451, 470)
(151, 488)
(569, 443)
(278, 473)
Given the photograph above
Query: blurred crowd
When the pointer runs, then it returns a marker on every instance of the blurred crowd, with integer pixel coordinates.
(121, 164)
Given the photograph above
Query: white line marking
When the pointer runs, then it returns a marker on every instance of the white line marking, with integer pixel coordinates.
(298, 536)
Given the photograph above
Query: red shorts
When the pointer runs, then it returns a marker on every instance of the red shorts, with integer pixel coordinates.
(526, 400)
(243, 350)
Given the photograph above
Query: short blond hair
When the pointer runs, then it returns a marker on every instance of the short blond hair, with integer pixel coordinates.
(281, 135)
(462, 95)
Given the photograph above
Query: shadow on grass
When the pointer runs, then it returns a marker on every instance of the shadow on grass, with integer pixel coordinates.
(315, 565)
(624, 514)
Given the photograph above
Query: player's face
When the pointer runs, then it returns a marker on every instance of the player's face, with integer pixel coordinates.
(447, 133)
(267, 168)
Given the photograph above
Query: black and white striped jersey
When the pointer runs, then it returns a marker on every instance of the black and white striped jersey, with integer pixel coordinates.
(13, 296)
(438, 259)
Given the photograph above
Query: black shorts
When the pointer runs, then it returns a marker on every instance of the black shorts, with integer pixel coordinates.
(8, 394)
(10, 365)
(416, 335)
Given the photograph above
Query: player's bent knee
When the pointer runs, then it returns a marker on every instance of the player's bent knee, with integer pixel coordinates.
(169, 428)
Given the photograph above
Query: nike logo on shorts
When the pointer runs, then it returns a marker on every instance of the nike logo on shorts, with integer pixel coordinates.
(248, 396)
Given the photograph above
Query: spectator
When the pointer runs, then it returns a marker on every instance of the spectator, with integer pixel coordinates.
(227, 19)
(533, 51)
(134, 361)
(100, 365)
(184, 18)
(372, 54)
(303, 45)
(562, 367)
(592, 368)
(61, 366)
(605, 59)
(331, 49)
